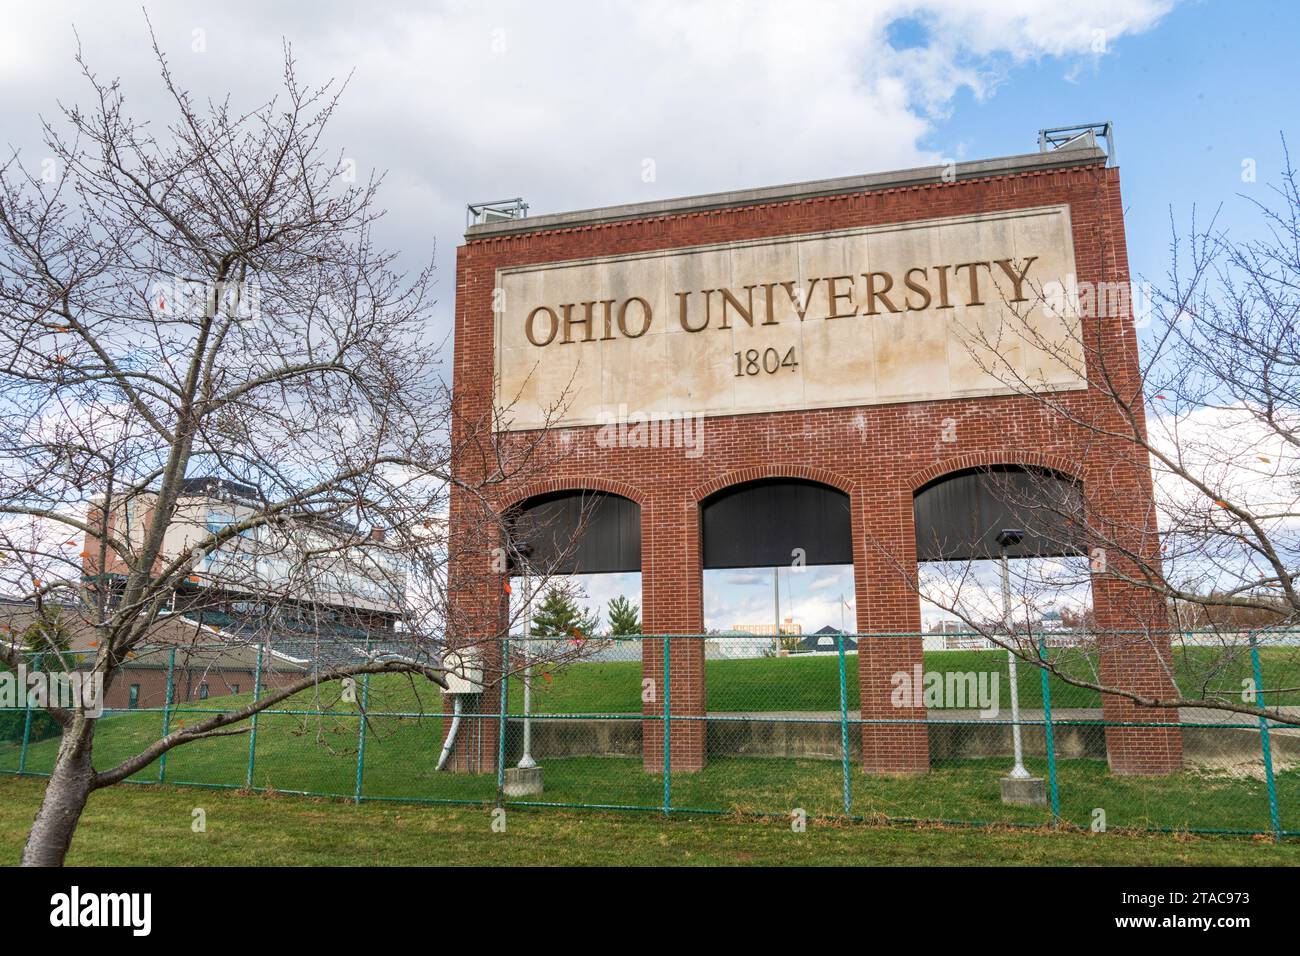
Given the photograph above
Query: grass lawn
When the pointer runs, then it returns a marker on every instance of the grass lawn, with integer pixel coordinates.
(320, 757)
(150, 826)
(811, 682)
(804, 682)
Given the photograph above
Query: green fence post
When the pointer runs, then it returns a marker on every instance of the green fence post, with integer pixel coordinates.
(1047, 732)
(27, 720)
(167, 711)
(844, 733)
(1274, 817)
(668, 733)
(361, 728)
(501, 723)
(252, 734)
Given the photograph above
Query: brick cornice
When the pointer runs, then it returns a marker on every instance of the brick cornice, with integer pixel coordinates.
(524, 234)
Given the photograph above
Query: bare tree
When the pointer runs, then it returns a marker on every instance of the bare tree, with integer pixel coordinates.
(1214, 411)
(216, 389)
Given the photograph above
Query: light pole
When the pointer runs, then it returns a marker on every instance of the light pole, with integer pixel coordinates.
(1009, 538)
(525, 778)
(776, 605)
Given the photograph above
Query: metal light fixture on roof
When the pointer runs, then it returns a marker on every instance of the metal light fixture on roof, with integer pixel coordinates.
(1066, 137)
(496, 210)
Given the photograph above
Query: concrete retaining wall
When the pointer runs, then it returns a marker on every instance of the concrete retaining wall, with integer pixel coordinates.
(756, 737)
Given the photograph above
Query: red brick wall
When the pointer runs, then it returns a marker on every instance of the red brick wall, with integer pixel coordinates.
(153, 685)
(113, 563)
(880, 454)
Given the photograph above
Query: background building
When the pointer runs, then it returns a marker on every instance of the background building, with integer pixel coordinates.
(202, 662)
(315, 590)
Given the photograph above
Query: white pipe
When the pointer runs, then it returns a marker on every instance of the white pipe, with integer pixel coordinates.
(451, 734)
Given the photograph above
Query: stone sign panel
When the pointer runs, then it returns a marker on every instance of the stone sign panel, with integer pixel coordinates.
(893, 313)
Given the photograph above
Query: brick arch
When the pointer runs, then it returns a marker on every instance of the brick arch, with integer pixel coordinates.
(1024, 459)
(758, 472)
(591, 483)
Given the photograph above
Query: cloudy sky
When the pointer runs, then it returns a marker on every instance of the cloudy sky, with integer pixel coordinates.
(566, 103)
(572, 105)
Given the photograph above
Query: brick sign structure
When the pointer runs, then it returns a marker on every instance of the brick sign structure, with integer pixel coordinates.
(826, 334)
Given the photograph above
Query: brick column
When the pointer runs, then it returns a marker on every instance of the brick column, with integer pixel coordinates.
(475, 750)
(672, 603)
(478, 619)
(1133, 623)
(1133, 651)
(884, 549)
(1136, 662)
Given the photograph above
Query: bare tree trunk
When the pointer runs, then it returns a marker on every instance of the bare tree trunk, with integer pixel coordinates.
(65, 798)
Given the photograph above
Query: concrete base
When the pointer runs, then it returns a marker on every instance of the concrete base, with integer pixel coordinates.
(1028, 792)
(521, 782)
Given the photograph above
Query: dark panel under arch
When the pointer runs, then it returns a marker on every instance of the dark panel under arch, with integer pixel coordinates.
(577, 532)
(760, 524)
(958, 516)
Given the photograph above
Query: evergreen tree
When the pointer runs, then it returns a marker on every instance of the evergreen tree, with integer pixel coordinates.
(46, 639)
(559, 615)
(624, 616)
(48, 633)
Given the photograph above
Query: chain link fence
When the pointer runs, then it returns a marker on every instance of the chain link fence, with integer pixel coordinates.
(749, 727)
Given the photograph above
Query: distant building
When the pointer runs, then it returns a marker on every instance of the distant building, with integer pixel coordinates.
(768, 630)
(826, 641)
(202, 661)
(304, 577)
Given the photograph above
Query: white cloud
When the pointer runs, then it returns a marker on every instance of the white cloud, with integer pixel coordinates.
(563, 103)
(826, 579)
(1233, 452)
(39, 552)
(746, 578)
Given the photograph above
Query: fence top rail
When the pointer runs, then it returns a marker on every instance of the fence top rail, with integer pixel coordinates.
(388, 646)
(1245, 634)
